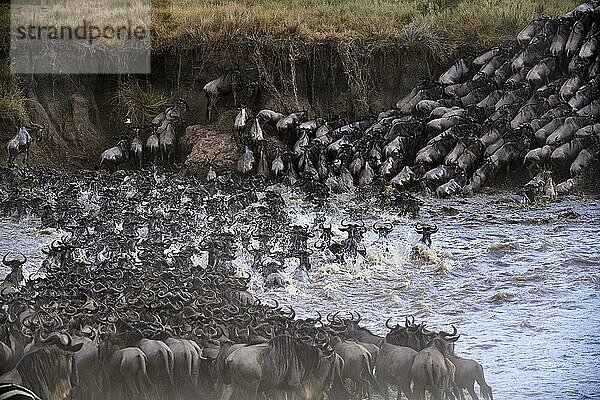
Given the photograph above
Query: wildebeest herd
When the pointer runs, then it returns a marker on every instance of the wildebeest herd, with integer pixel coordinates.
(531, 102)
(139, 299)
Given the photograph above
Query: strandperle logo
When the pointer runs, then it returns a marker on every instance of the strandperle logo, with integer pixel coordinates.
(80, 37)
(85, 31)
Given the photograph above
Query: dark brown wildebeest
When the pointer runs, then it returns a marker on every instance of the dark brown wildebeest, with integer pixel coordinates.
(114, 156)
(467, 373)
(232, 81)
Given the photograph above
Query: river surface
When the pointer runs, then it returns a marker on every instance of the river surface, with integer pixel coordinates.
(522, 284)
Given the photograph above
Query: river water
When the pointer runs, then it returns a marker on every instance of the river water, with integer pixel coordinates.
(522, 284)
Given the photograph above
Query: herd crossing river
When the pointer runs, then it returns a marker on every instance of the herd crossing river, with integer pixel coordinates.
(522, 283)
(152, 283)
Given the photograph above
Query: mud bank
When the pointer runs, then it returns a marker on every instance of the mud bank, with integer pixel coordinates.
(84, 116)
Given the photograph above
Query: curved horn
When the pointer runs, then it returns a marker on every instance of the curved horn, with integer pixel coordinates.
(445, 334)
(387, 323)
(24, 259)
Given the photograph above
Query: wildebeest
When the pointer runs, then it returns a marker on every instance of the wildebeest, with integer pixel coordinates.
(449, 188)
(231, 82)
(124, 369)
(583, 159)
(571, 85)
(428, 90)
(152, 145)
(426, 231)
(159, 366)
(577, 36)
(530, 31)
(561, 36)
(246, 161)
(467, 373)
(15, 276)
(392, 366)
(269, 117)
(284, 363)
(137, 148)
(241, 120)
(432, 370)
(286, 126)
(404, 178)
(358, 365)
(456, 73)
(166, 144)
(114, 156)
(47, 368)
(21, 141)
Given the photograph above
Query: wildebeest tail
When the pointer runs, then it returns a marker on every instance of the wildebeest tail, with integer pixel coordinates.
(227, 373)
(368, 370)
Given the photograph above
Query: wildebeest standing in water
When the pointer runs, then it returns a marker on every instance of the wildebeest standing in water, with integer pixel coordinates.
(21, 141)
(284, 363)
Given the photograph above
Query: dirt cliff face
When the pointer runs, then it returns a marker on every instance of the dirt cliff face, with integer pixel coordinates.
(74, 133)
(327, 78)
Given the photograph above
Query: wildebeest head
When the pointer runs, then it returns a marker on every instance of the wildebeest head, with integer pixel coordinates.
(49, 368)
(444, 341)
(13, 263)
(426, 231)
(36, 130)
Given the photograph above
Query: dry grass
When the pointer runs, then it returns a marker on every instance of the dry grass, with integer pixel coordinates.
(139, 104)
(12, 101)
(441, 29)
(479, 21)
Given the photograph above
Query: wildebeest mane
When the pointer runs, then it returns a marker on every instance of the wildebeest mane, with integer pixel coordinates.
(46, 371)
(291, 360)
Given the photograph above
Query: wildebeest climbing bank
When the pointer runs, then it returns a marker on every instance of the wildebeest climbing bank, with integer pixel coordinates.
(300, 203)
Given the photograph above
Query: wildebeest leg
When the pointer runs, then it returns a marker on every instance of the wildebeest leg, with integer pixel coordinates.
(386, 395)
(234, 97)
(227, 392)
(213, 105)
(252, 391)
(471, 390)
(405, 387)
(363, 388)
